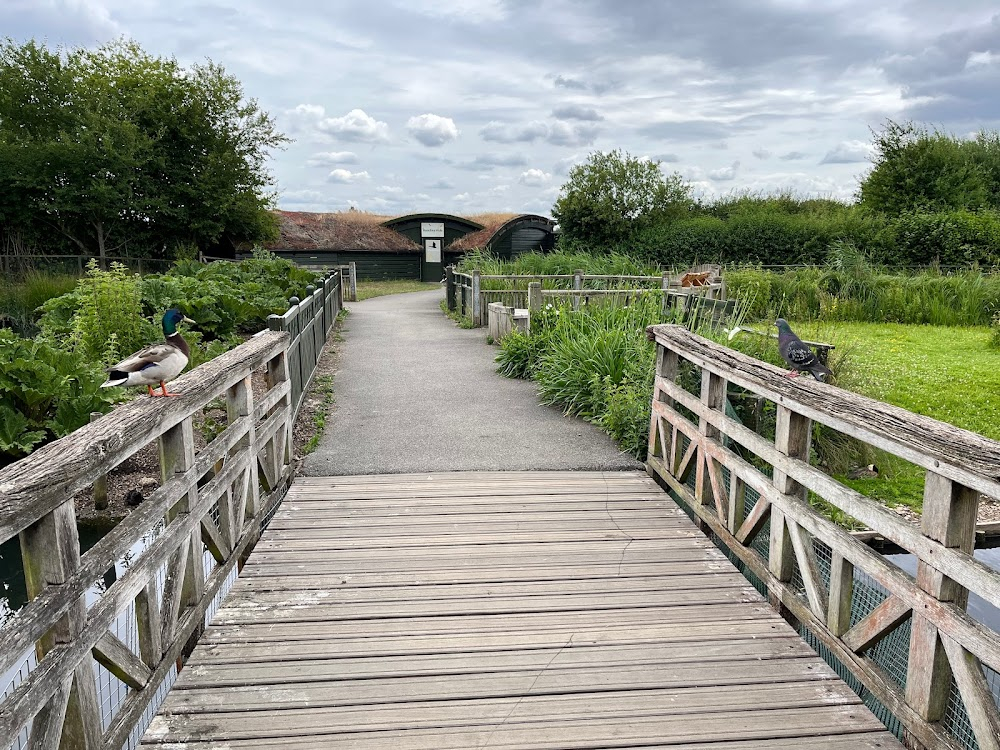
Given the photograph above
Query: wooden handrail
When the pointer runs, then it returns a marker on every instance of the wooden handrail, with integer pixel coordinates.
(241, 473)
(945, 641)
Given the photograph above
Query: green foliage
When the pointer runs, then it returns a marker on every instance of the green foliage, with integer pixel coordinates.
(110, 147)
(612, 196)
(560, 262)
(108, 323)
(995, 332)
(918, 170)
(45, 393)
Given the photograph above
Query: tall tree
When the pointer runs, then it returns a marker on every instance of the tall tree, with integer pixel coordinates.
(612, 196)
(113, 147)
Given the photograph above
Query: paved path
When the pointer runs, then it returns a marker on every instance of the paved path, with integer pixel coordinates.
(416, 393)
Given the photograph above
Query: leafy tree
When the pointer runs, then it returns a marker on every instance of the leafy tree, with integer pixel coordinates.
(113, 148)
(918, 170)
(613, 196)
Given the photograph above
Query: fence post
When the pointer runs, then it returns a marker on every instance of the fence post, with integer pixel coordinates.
(101, 483)
(793, 434)
(534, 298)
(354, 282)
(477, 303)
(665, 286)
(449, 287)
(578, 286)
(949, 517)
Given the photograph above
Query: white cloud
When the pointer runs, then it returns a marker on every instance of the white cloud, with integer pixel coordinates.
(345, 176)
(848, 152)
(564, 134)
(534, 178)
(576, 112)
(432, 130)
(357, 125)
(389, 189)
(724, 174)
(981, 59)
(332, 158)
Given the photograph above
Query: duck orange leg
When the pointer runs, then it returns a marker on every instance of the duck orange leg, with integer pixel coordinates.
(150, 389)
(163, 387)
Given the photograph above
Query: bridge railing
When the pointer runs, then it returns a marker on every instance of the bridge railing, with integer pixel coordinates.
(308, 322)
(182, 545)
(753, 495)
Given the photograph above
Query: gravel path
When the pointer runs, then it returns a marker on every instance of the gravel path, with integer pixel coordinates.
(416, 393)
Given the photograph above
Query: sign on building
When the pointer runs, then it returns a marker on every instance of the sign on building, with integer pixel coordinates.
(432, 251)
(432, 229)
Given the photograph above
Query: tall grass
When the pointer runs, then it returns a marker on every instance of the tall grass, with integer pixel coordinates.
(19, 300)
(554, 264)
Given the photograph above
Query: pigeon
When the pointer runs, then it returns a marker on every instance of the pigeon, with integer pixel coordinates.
(798, 356)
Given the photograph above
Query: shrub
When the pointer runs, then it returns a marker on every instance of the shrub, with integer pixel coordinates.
(45, 393)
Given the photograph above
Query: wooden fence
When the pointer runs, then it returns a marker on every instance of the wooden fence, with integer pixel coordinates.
(309, 322)
(465, 293)
(214, 499)
(812, 568)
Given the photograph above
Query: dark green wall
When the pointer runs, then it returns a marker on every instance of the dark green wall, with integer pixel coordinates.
(370, 266)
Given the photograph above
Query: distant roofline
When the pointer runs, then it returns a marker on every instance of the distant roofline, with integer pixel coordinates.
(430, 217)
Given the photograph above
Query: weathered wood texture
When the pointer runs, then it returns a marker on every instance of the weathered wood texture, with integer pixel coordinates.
(945, 641)
(536, 609)
(224, 479)
(308, 322)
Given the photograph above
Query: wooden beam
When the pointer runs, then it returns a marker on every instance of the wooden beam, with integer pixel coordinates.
(877, 624)
(976, 694)
(118, 659)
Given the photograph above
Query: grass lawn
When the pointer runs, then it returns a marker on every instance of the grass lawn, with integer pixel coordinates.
(369, 289)
(947, 373)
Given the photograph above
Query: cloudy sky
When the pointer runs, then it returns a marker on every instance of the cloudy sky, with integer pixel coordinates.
(463, 106)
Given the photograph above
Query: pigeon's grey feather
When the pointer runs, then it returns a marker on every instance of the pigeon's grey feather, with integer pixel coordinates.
(797, 354)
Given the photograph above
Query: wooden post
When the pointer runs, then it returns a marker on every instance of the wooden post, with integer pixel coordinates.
(949, 517)
(713, 395)
(50, 549)
(185, 581)
(101, 483)
(534, 298)
(792, 438)
(578, 286)
(667, 364)
(477, 303)
(353, 270)
(665, 287)
(449, 287)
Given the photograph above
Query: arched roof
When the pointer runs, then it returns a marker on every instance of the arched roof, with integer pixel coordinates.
(466, 224)
(494, 233)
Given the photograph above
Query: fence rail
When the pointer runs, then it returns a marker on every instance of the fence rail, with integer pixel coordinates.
(752, 494)
(465, 294)
(214, 499)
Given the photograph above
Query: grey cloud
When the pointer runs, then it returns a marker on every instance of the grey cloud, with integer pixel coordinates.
(569, 83)
(761, 153)
(576, 112)
(442, 185)
(793, 156)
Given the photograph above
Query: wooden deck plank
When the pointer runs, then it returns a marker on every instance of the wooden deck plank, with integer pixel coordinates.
(536, 610)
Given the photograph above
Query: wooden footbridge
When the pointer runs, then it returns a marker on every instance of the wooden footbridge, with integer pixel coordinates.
(518, 610)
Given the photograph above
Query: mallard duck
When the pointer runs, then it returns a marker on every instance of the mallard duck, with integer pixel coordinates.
(155, 364)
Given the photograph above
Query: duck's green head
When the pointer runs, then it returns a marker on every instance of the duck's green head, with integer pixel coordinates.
(171, 318)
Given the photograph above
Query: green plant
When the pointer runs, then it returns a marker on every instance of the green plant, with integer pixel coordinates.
(995, 331)
(45, 393)
(323, 386)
